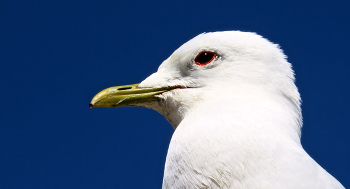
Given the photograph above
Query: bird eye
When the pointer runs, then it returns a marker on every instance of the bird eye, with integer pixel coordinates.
(204, 58)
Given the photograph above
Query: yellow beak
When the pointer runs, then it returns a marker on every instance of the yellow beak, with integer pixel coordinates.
(126, 95)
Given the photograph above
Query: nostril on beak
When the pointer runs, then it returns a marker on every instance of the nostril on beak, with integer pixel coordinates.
(124, 88)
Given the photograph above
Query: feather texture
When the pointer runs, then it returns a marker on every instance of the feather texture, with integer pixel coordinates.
(237, 120)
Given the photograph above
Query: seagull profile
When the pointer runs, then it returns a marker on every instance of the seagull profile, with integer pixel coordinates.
(231, 98)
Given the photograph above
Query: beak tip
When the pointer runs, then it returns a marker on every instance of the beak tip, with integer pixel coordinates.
(91, 106)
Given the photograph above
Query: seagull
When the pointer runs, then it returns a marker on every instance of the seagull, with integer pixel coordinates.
(231, 98)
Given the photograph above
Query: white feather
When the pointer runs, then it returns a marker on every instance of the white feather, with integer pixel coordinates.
(237, 120)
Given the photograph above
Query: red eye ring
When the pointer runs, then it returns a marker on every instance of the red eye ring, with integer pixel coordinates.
(204, 58)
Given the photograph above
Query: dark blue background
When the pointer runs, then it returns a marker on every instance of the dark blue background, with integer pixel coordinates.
(56, 55)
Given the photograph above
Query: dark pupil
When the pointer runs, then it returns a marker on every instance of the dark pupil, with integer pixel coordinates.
(204, 57)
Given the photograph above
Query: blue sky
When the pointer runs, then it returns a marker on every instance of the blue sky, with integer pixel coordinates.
(56, 55)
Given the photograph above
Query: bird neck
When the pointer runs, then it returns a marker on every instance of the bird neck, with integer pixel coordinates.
(263, 113)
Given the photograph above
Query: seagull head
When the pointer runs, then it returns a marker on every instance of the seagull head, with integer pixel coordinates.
(218, 67)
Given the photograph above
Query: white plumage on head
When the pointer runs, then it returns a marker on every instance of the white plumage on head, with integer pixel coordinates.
(237, 119)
